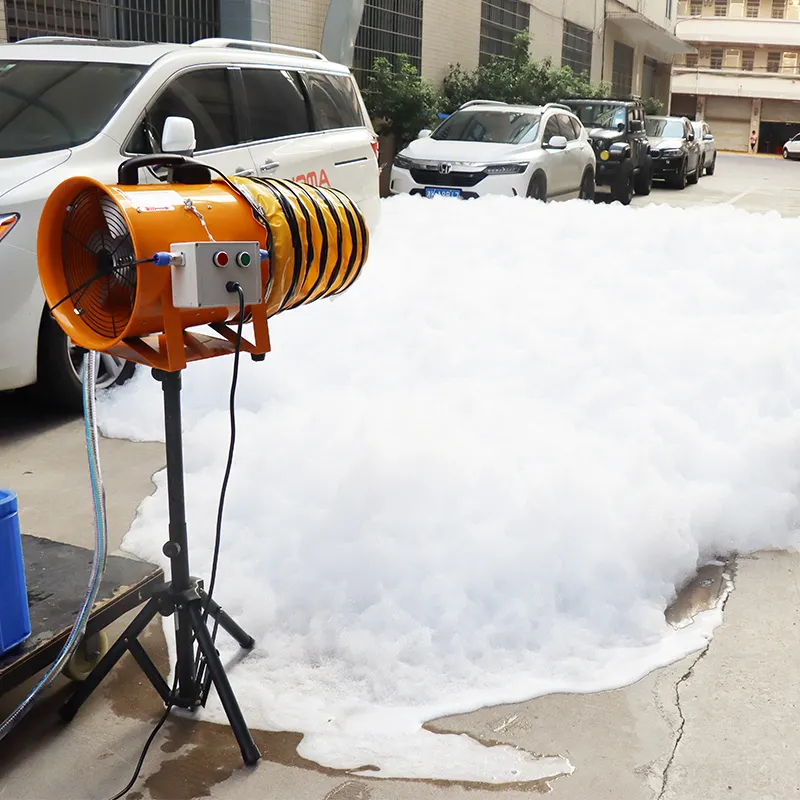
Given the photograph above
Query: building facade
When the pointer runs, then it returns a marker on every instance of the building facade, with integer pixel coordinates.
(629, 44)
(745, 75)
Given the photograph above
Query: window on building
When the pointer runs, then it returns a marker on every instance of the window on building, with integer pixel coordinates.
(695, 8)
(789, 63)
(720, 8)
(576, 48)
(275, 103)
(501, 21)
(334, 101)
(622, 70)
(151, 21)
(668, 10)
(691, 60)
(205, 96)
(748, 60)
(773, 61)
(753, 8)
(778, 9)
(388, 28)
(716, 58)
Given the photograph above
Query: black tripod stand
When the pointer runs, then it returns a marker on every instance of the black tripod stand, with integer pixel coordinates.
(197, 670)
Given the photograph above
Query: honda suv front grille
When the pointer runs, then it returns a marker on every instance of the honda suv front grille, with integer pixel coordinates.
(432, 177)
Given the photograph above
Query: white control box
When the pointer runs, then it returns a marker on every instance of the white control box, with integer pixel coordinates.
(201, 271)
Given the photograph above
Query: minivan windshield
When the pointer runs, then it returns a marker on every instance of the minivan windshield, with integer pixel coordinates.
(665, 128)
(54, 105)
(496, 127)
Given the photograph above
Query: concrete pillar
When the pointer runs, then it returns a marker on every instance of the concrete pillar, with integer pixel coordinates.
(701, 108)
(245, 19)
(341, 29)
(755, 123)
(3, 27)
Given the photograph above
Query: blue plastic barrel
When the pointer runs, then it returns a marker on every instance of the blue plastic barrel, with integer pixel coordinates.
(15, 623)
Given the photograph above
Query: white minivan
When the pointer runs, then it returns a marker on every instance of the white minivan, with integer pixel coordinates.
(82, 106)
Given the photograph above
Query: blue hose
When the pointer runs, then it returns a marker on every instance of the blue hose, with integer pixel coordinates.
(100, 546)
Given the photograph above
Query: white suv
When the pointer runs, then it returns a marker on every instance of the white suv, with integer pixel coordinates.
(489, 147)
(81, 107)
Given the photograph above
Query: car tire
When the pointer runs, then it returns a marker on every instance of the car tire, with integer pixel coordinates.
(537, 188)
(586, 191)
(58, 369)
(680, 180)
(694, 177)
(624, 185)
(710, 169)
(644, 180)
(785, 153)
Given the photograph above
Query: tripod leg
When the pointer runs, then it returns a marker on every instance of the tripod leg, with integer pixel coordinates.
(116, 651)
(230, 626)
(250, 753)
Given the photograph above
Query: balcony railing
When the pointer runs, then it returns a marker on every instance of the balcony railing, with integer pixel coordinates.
(782, 71)
(739, 9)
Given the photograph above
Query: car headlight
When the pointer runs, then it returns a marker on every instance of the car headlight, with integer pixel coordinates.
(671, 153)
(403, 162)
(7, 222)
(506, 169)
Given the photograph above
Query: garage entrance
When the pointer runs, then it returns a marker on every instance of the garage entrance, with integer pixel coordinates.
(773, 135)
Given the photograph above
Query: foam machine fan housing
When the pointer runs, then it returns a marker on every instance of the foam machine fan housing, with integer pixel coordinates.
(97, 245)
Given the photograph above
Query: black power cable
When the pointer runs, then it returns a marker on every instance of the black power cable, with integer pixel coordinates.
(232, 287)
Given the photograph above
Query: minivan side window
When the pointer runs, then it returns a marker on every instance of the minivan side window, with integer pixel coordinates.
(276, 104)
(205, 96)
(334, 101)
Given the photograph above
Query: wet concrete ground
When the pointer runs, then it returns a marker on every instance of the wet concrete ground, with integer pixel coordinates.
(719, 724)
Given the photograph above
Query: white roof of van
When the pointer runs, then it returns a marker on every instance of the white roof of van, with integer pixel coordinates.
(54, 48)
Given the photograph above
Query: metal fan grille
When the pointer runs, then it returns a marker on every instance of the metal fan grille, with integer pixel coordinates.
(99, 262)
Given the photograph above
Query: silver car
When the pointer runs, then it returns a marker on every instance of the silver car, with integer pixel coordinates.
(708, 147)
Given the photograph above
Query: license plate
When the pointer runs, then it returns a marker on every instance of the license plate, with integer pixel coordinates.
(443, 192)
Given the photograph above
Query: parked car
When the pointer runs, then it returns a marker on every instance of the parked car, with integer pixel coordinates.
(617, 134)
(82, 107)
(792, 148)
(488, 148)
(708, 147)
(674, 149)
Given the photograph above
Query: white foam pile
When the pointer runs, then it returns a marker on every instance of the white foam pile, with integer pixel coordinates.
(480, 475)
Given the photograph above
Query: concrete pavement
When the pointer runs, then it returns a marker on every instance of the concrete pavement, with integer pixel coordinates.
(719, 724)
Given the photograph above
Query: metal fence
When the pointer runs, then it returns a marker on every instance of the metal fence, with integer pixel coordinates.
(135, 20)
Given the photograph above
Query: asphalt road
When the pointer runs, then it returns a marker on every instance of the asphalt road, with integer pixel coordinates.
(754, 183)
(720, 724)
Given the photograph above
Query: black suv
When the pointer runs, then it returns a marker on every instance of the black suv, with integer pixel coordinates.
(616, 130)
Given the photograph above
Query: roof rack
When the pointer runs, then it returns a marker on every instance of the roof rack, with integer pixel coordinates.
(54, 39)
(482, 103)
(562, 106)
(245, 44)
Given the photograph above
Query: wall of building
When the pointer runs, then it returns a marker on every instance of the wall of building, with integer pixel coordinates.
(450, 35)
(298, 22)
(3, 28)
(547, 28)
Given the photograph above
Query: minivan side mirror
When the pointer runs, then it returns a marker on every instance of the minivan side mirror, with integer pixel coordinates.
(178, 136)
(557, 143)
(709, 137)
(425, 133)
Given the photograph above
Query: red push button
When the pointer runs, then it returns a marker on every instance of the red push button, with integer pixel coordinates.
(221, 259)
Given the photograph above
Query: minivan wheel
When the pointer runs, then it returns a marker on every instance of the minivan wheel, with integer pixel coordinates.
(60, 364)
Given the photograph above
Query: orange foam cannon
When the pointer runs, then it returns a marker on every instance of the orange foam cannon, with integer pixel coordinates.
(97, 246)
